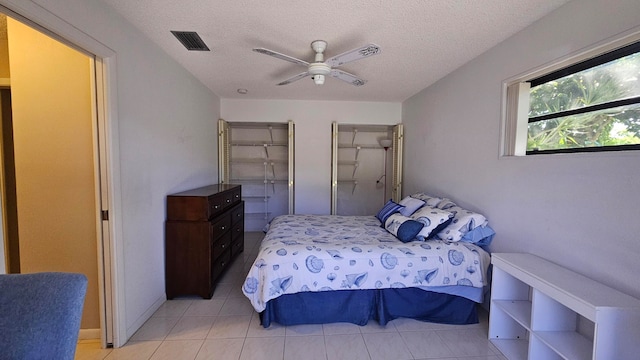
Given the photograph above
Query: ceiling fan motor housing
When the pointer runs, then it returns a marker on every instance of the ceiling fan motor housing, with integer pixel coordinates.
(318, 71)
(319, 68)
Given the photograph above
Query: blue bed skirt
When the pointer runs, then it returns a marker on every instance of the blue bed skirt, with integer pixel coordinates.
(358, 306)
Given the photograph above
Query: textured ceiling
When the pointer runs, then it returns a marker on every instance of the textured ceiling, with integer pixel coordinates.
(421, 40)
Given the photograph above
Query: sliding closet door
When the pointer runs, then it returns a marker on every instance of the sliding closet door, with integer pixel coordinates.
(223, 152)
(258, 156)
(397, 146)
(366, 167)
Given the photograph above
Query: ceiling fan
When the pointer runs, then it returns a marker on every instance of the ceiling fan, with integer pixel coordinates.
(320, 68)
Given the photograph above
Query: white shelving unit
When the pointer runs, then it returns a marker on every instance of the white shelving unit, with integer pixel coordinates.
(365, 174)
(259, 156)
(539, 309)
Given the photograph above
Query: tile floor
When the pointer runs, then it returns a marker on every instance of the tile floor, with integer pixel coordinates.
(227, 327)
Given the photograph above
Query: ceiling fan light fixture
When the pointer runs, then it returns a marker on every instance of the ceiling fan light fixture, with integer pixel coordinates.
(318, 70)
(318, 79)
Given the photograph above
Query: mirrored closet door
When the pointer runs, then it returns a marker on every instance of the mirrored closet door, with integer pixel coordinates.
(366, 167)
(260, 157)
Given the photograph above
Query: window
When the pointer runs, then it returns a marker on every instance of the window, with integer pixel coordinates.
(592, 105)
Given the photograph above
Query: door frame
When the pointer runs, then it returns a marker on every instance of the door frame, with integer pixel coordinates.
(108, 189)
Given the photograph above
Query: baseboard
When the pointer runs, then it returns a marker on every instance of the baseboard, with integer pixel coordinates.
(89, 334)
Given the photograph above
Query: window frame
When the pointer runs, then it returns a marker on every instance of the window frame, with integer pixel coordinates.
(516, 96)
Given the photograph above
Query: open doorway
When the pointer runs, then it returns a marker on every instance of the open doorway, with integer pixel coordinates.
(50, 174)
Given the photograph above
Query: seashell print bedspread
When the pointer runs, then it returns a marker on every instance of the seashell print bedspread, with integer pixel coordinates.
(333, 252)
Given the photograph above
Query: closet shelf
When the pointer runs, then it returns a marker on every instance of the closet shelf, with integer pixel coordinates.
(259, 125)
(364, 128)
(258, 143)
(258, 161)
(255, 197)
(361, 146)
(259, 180)
(348, 163)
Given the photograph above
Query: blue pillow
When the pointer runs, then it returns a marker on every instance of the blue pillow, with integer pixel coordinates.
(404, 228)
(389, 208)
(481, 236)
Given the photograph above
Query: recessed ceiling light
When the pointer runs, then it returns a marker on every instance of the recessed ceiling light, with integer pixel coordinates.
(243, 91)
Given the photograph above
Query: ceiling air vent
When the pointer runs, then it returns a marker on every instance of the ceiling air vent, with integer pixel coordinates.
(191, 40)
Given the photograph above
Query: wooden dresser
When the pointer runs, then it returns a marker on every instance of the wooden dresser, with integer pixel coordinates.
(204, 232)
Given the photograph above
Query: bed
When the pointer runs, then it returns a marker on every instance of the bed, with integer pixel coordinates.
(314, 269)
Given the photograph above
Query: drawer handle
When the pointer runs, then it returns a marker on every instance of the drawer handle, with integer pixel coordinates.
(216, 206)
(237, 196)
(223, 246)
(238, 215)
(222, 264)
(228, 200)
(222, 228)
(238, 230)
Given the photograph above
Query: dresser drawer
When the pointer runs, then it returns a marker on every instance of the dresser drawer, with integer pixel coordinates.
(227, 199)
(220, 264)
(237, 230)
(219, 226)
(216, 204)
(221, 245)
(237, 213)
(236, 194)
(237, 245)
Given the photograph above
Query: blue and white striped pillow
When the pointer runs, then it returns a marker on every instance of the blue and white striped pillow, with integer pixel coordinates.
(387, 210)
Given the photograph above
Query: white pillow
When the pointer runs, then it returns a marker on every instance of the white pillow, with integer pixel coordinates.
(432, 201)
(410, 205)
(463, 222)
(433, 219)
(444, 204)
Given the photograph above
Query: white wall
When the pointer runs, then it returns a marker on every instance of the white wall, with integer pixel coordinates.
(165, 142)
(579, 210)
(312, 137)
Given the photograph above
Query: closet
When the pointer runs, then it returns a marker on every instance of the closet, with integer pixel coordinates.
(260, 157)
(366, 167)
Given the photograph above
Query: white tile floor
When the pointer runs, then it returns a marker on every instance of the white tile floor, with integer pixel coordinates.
(227, 327)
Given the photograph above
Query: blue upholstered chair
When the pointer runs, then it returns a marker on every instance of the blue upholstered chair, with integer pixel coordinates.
(40, 315)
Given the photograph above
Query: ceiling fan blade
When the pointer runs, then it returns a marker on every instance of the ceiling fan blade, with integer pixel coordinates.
(281, 56)
(350, 78)
(295, 78)
(353, 55)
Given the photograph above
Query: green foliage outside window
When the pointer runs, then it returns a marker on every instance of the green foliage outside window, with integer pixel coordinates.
(615, 80)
